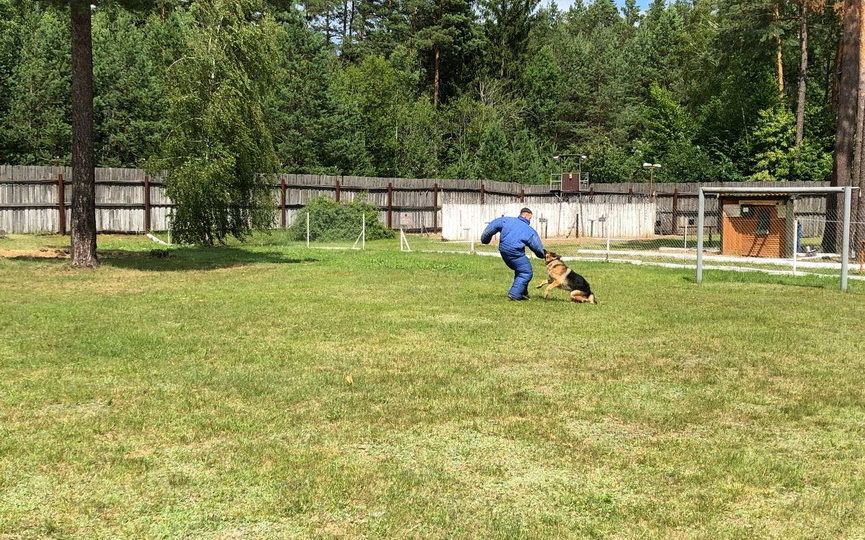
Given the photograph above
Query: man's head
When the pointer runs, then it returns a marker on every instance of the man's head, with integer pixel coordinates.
(526, 213)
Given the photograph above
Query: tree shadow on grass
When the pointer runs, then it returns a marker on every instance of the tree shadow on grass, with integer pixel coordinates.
(194, 258)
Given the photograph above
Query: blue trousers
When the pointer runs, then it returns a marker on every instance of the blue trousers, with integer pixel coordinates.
(519, 263)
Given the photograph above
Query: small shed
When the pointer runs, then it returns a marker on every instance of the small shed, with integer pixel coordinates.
(755, 225)
(766, 206)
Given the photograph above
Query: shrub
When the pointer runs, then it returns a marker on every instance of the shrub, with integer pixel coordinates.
(331, 221)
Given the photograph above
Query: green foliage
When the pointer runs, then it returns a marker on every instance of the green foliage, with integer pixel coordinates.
(507, 27)
(448, 27)
(774, 155)
(38, 124)
(314, 130)
(419, 140)
(130, 122)
(219, 150)
(377, 90)
(494, 156)
(13, 31)
(542, 82)
(668, 138)
(349, 88)
(331, 221)
(608, 162)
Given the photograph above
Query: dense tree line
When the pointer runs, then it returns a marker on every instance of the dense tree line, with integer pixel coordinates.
(714, 90)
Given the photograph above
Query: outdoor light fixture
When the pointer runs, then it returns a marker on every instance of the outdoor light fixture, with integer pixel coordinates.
(579, 165)
(651, 167)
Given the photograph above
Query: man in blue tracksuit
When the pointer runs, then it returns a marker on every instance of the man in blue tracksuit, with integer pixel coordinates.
(515, 235)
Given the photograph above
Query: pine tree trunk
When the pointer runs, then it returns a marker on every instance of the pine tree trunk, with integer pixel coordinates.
(779, 56)
(351, 21)
(803, 73)
(361, 32)
(858, 180)
(848, 89)
(83, 229)
(344, 21)
(437, 75)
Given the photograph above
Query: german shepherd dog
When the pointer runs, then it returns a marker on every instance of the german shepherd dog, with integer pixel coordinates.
(559, 275)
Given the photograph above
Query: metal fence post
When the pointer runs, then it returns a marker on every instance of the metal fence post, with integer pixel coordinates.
(435, 206)
(147, 226)
(61, 205)
(701, 207)
(685, 238)
(607, 231)
(845, 244)
(675, 211)
(282, 201)
(795, 244)
(389, 205)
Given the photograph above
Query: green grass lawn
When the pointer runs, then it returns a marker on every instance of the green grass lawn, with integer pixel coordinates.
(270, 391)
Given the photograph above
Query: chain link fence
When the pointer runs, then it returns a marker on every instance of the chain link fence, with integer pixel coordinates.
(772, 232)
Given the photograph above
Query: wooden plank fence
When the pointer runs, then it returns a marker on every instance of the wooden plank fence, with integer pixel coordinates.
(37, 199)
(556, 219)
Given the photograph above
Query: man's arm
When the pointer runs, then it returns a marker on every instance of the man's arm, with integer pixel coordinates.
(536, 246)
(494, 227)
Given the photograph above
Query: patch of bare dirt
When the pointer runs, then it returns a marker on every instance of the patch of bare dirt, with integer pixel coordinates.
(43, 253)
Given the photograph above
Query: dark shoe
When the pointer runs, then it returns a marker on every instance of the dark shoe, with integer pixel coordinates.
(515, 299)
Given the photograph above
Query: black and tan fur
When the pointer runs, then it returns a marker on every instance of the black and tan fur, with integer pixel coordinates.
(559, 275)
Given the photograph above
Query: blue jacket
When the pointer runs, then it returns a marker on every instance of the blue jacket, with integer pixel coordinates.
(516, 235)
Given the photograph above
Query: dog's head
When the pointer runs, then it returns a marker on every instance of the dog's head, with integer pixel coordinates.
(549, 256)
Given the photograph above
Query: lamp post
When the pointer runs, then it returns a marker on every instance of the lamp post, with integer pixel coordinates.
(651, 167)
(580, 166)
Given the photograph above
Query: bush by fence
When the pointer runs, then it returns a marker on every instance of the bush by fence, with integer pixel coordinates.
(331, 221)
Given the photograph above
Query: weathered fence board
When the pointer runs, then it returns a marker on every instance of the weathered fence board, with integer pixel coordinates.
(29, 199)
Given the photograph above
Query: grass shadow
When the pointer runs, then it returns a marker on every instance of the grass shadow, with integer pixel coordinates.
(655, 244)
(736, 278)
(194, 258)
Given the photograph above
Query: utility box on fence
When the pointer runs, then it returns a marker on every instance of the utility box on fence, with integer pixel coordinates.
(757, 226)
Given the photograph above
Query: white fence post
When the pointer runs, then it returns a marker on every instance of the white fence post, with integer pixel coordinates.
(701, 206)
(795, 244)
(845, 243)
(606, 219)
